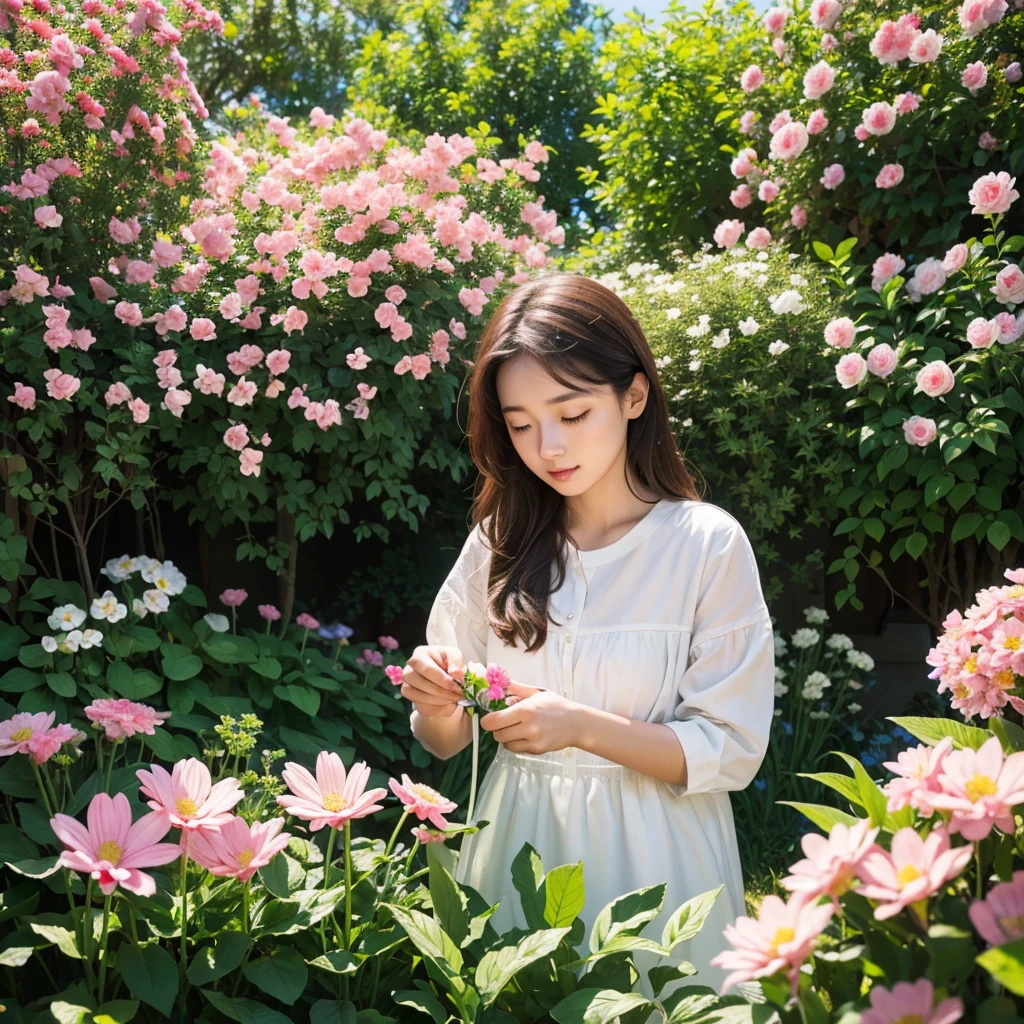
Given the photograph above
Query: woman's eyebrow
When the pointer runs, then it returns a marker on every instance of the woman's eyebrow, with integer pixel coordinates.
(566, 396)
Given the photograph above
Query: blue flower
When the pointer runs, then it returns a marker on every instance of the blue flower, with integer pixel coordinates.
(335, 632)
(868, 760)
(761, 784)
(787, 728)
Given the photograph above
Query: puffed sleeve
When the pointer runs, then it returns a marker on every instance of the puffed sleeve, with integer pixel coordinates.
(727, 691)
(458, 616)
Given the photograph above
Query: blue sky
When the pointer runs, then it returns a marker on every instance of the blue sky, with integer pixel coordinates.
(654, 8)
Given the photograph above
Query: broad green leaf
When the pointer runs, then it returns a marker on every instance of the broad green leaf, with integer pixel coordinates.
(627, 915)
(528, 879)
(822, 816)
(180, 667)
(872, 799)
(564, 895)
(429, 938)
(282, 973)
(1006, 965)
(934, 730)
(332, 1011)
(214, 961)
(150, 974)
(499, 966)
(688, 919)
(63, 938)
(598, 1006)
(245, 1011)
(449, 902)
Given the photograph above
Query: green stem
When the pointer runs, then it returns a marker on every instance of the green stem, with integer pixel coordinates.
(42, 788)
(327, 873)
(183, 965)
(348, 885)
(103, 945)
(978, 888)
(394, 835)
(110, 766)
(408, 862)
(305, 637)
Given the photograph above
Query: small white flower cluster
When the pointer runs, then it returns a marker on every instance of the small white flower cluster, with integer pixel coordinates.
(777, 347)
(805, 637)
(749, 327)
(815, 685)
(839, 642)
(781, 689)
(662, 361)
(861, 660)
(721, 339)
(780, 645)
(815, 616)
(702, 327)
(69, 617)
(788, 301)
(673, 313)
(165, 579)
(818, 715)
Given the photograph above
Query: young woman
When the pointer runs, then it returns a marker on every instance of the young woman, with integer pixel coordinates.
(628, 612)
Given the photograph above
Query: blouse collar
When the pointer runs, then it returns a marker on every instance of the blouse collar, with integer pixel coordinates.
(635, 536)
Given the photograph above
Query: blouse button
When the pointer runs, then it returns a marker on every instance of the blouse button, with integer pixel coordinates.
(572, 615)
(568, 639)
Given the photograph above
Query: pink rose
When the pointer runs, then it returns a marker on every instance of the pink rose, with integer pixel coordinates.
(919, 430)
(929, 276)
(48, 217)
(976, 15)
(140, 410)
(882, 360)
(993, 193)
(767, 191)
(879, 118)
(128, 313)
(825, 13)
(24, 397)
(833, 177)
(1009, 286)
(61, 386)
(974, 77)
(789, 141)
(818, 80)
(885, 268)
(278, 361)
(727, 234)
(986, 140)
(781, 118)
(396, 294)
(249, 460)
(203, 329)
(236, 437)
(798, 216)
(175, 401)
(117, 394)
(740, 197)
(1012, 72)
(817, 122)
(840, 332)
(851, 369)
(775, 20)
(751, 79)
(295, 320)
(907, 103)
(982, 333)
(926, 47)
(889, 176)
(759, 238)
(935, 379)
(955, 259)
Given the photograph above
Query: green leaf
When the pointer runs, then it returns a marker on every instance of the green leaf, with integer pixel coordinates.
(62, 683)
(449, 903)
(281, 974)
(965, 526)
(230, 650)
(332, 1011)
(955, 447)
(822, 816)
(960, 495)
(269, 668)
(20, 680)
(872, 799)
(150, 974)
(424, 1001)
(213, 962)
(117, 1011)
(934, 730)
(627, 915)
(245, 1011)
(688, 920)
(564, 895)
(840, 783)
(181, 667)
(823, 251)
(1006, 965)
(528, 879)
(598, 1006)
(429, 938)
(63, 938)
(937, 486)
(498, 967)
(998, 535)
(305, 698)
(916, 543)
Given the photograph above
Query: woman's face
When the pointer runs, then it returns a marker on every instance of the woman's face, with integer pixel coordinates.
(571, 438)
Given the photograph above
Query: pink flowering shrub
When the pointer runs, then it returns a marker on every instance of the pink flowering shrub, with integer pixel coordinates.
(929, 356)
(873, 119)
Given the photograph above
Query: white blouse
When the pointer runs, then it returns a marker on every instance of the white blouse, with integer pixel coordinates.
(667, 624)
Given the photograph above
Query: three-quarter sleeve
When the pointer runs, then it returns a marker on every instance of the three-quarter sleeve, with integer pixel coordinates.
(727, 692)
(458, 616)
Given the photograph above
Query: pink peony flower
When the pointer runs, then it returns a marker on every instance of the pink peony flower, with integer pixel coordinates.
(974, 77)
(911, 1001)
(999, 917)
(825, 13)
(817, 122)
(851, 369)
(926, 47)
(915, 870)
(233, 598)
(935, 379)
(18, 731)
(993, 193)
(889, 176)
(818, 80)
(295, 320)
(61, 386)
(919, 430)
(111, 849)
(759, 238)
(833, 177)
(882, 360)
(423, 801)
(239, 850)
(188, 797)
(789, 141)
(123, 718)
(840, 332)
(980, 787)
(203, 329)
(780, 938)
(334, 797)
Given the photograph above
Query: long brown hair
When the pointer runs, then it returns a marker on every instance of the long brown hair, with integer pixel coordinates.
(579, 331)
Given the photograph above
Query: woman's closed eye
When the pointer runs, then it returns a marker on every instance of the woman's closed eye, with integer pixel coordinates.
(565, 419)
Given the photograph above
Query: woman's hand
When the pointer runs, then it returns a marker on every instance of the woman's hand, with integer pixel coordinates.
(432, 680)
(538, 722)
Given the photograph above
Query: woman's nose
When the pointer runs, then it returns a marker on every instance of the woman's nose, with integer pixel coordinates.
(552, 446)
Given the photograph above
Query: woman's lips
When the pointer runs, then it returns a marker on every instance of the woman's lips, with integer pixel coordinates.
(563, 474)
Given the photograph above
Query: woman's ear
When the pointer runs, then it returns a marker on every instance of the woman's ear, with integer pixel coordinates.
(636, 395)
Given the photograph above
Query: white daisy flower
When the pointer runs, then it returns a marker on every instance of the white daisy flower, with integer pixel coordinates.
(806, 638)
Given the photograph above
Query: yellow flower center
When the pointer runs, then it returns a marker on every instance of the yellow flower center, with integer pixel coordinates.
(110, 851)
(245, 858)
(781, 937)
(1015, 591)
(962, 691)
(971, 664)
(979, 786)
(161, 583)
(334, 802)
(425, 793)
(21, 735)
(1012, 926)
(907, 874)
(909, 1018)
(186, 808)
(1011, 643)
(1004, 679)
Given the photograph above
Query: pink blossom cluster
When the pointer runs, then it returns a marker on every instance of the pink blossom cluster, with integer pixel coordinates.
(36, 736)
(979, 659)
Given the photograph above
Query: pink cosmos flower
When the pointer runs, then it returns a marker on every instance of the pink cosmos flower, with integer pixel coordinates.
(999, 917)
(423, 801)
(307, 621)
(111, 849)
(919, 430)
(123, 718)
(187, 797)
(394, 673)
(917, 776)
(935, 379)
(17, 732)
(889, 176)
(911, 1001)
(915, 870)
(239, 850)
(44, 745)
(829, 867)
(780, 938)
(981, 788)
(233, 598)
(851, 369)
(993, 193)
(268, 612)
(333, 797)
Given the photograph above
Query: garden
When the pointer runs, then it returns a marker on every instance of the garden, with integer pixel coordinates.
(247, 253)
